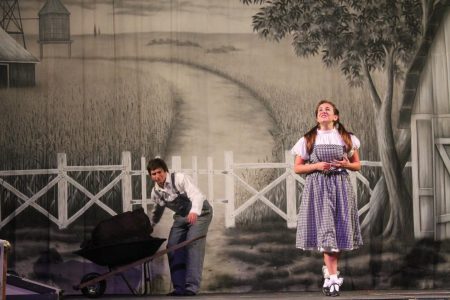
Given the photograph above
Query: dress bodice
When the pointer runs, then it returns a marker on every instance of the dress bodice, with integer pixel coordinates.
(326, 153)
(324, 137)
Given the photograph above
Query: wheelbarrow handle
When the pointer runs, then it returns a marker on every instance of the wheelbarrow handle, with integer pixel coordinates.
(136, 263)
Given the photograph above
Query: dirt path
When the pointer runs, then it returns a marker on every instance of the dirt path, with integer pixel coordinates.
(215, 116)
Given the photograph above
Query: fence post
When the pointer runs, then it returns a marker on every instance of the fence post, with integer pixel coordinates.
(230, 220)
(291, 197)
(144, 184)
(176, 163)
(195, 169)
(210, 180)
(127, 193)
(4, 249)
(62, 190)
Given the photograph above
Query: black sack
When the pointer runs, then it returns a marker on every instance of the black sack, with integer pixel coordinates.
(127, 226)
(121, 253)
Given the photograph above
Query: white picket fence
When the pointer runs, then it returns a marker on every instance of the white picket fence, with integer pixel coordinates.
(124, 178)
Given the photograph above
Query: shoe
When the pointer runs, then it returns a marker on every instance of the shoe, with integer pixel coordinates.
(326, 281)
(189, 293)
(334, 289)
(175, 294)
(326, 287)
(331, 288)
(334, 286)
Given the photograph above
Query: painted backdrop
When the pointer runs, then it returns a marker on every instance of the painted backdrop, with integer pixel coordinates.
(103, 84)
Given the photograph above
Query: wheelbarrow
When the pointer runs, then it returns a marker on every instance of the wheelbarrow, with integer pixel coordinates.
(120, 258)
(122, 242)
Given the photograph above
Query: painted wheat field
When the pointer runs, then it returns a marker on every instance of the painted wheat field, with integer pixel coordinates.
(93, 108)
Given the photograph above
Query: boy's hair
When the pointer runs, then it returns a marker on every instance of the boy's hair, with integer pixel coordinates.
(157, 163)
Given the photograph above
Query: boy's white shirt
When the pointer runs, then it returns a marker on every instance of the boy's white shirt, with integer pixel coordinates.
(183, 184)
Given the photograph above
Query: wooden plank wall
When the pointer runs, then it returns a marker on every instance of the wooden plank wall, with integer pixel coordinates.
(431, 123)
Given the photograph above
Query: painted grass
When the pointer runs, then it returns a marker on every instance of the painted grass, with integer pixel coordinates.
(275, 265)
(92, 111)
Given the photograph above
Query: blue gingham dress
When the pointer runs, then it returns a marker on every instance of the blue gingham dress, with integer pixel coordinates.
(328, 214)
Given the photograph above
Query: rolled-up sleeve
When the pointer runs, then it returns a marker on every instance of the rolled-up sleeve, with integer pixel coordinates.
(157, 210)
(184, 183)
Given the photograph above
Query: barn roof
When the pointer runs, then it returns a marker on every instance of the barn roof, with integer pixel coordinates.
(11, 51)
(53, 7)
(412, 79)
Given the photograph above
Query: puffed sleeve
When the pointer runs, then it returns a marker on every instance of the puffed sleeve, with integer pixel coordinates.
(300, 149)
(355, 141)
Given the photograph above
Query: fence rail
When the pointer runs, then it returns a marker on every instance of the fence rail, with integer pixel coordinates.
(63, 180)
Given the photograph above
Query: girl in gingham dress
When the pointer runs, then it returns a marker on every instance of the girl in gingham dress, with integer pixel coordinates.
(328, 214)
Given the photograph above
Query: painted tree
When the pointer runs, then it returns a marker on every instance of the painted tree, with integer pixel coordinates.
(361, 37)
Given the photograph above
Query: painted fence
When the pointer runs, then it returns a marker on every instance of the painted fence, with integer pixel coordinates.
(4, 246)
(62, 180)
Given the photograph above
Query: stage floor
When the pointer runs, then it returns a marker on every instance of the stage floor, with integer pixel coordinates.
(391, 294)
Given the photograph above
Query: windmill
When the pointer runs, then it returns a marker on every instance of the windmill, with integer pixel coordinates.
(10, 18)
(54, 25)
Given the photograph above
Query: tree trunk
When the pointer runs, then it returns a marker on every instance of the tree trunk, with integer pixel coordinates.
(373, 222)
(400, 219)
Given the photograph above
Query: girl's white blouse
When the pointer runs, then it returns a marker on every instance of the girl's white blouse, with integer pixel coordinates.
(324, 137)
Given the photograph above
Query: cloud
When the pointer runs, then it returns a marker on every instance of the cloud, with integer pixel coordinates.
(148, 8)
(227, 8)
(231, 9)
(156, 15)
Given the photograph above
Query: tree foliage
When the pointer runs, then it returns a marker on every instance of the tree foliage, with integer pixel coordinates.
(360, 36)
(353, 34)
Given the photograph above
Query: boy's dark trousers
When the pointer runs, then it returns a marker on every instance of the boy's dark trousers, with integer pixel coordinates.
(186, 264)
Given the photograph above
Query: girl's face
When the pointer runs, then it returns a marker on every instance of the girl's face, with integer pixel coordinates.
(326, 115)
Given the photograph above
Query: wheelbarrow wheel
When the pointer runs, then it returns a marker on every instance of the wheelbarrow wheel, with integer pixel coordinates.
(95, 290)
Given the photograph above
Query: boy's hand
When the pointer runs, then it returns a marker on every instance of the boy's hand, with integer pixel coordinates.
(192, 218)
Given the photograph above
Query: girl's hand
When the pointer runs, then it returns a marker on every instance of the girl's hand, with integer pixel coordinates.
(323, 166)
(341, 163)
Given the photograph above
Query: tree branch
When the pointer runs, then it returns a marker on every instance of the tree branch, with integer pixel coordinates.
(390, 75)
(427, 8)
(373, 90)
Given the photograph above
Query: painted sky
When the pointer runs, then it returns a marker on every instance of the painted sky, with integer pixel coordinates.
(119, 16)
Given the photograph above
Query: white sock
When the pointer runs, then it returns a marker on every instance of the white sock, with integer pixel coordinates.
(335, 279)
(325, 272)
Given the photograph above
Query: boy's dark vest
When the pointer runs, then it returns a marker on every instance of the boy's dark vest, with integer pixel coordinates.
(181, 205)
